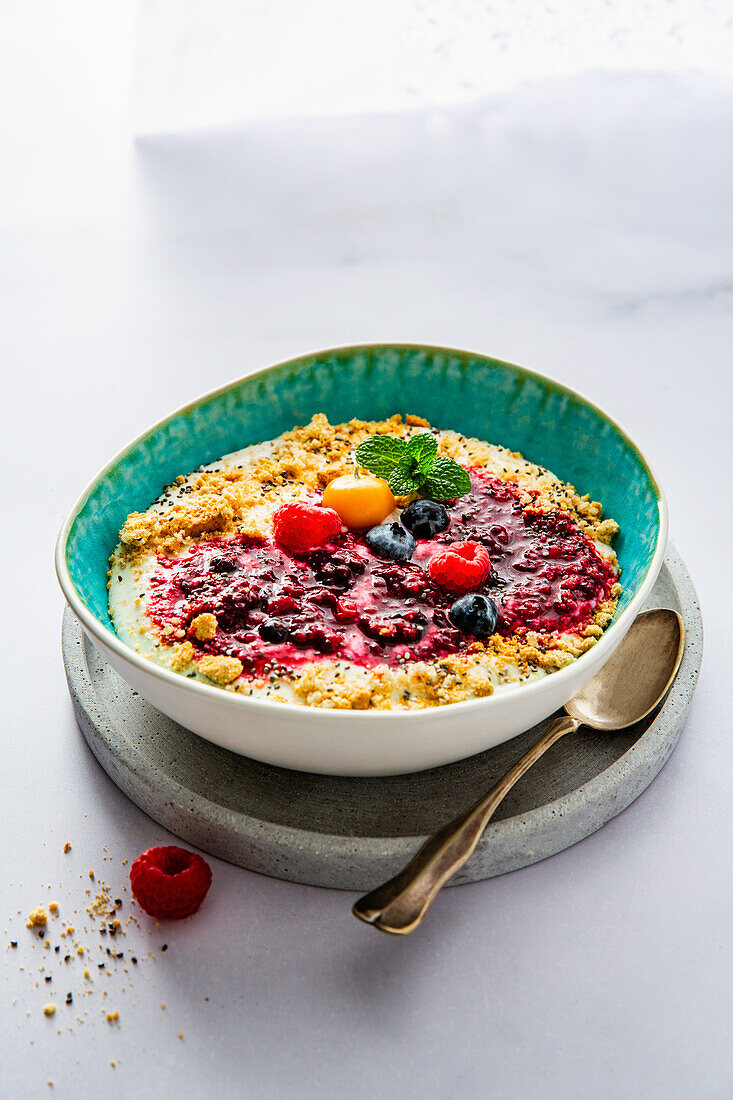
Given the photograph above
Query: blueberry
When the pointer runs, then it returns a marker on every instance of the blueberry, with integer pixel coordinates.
(425, 518)
(474, 614)
(391, 540)
(272, 631)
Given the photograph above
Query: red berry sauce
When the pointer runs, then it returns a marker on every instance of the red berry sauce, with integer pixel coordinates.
(277, 610)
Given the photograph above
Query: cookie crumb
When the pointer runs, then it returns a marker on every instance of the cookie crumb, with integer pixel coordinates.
(49, 1009)
(37, 918)
(204, 626)
(67, 846)
(222, 670)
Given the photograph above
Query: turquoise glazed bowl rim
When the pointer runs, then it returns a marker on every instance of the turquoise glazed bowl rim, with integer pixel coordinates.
(99, 631)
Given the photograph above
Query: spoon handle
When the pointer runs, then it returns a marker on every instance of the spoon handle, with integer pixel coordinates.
(398, 906)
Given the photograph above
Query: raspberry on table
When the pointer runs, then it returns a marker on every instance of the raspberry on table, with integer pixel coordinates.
(170, 883)
(301, 526)
(461, 566)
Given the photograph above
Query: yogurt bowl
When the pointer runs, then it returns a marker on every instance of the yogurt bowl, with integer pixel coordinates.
(463, 391)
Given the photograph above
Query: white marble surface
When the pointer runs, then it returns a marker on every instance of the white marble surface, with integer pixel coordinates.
(583, 227)
(284, 58)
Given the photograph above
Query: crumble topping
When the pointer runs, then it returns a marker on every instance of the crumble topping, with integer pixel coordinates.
(204, 626)
(238, 495)
(218, 501)
(182, 656)
(222, 670)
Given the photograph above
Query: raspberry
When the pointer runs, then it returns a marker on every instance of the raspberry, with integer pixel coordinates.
(301, 526)
(461, 566)
(170, 883)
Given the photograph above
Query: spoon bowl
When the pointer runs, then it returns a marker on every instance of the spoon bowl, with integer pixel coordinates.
(629, 686)
(636, 678)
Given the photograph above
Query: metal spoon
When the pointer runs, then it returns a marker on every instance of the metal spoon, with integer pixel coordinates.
(628, 687)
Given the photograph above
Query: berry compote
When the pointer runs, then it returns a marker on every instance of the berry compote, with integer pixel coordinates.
(278, 609)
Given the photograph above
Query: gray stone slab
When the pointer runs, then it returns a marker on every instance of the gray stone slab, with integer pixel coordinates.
(352, 834)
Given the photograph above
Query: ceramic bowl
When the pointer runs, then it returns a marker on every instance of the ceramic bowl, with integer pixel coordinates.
(470, 393)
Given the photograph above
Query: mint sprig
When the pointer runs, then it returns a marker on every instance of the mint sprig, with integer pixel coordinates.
(446, 480)
(381, 454)
(413, 466)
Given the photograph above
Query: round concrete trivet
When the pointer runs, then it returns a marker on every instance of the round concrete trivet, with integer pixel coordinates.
(355, 833)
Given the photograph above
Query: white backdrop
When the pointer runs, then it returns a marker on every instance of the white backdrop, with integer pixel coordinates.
(197, 66)
(581, 225)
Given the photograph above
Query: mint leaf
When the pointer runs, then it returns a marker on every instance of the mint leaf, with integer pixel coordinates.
(380, 454)
(414, 466)
(423, 448)
(446, 480)
(406, 479)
